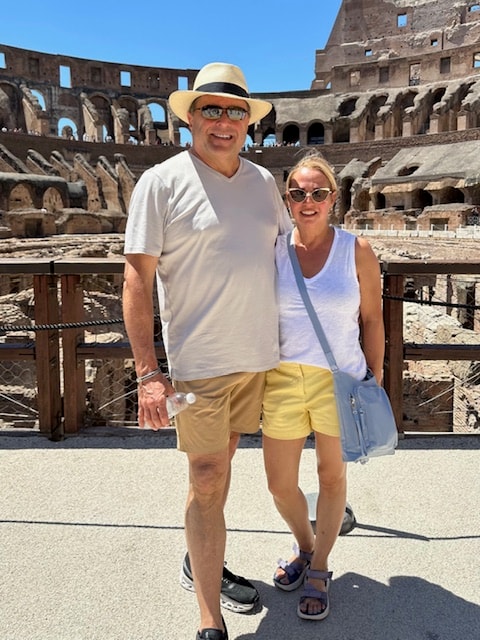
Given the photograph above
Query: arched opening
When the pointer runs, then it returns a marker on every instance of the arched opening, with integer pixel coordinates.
(39, 96)
(362, 200)
(316, 134)
(408, 170)
(347, 107)
(52, 200)
(373, 108)
(421, 199)
(450, 194)
(20, 198)
(67, 129)
(269, 138)
(344, 198)
(291, 135)
(379, 201)
(159, 122)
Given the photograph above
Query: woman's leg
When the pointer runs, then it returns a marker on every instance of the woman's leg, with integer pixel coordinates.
(282, 461)
(332, 475)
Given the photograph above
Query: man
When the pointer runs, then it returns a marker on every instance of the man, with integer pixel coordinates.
(205, 223)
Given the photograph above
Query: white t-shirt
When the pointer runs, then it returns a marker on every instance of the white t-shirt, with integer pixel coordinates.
(215, 239)
(335, 295)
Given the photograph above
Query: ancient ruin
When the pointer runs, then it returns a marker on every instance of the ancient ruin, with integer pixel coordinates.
(394, 105)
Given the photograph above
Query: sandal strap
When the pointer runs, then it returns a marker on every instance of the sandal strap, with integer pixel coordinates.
(309, 591)
(303, 555)
(317, 574)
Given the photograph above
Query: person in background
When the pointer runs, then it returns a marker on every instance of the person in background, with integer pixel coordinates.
(342, 276)
(204, 224)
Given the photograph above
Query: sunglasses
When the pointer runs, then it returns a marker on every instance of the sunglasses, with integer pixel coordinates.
(212, 112)
(317, 195)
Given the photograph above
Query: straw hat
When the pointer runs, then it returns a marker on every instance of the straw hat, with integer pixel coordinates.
(218, 79)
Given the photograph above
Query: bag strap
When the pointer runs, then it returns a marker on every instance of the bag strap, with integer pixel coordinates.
(308, 304)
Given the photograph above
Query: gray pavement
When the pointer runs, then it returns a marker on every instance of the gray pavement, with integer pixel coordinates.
(91, 542)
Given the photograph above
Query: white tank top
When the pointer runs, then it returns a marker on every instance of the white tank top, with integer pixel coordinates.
(335, 295)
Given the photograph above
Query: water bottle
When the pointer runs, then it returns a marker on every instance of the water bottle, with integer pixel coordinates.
(179, 401)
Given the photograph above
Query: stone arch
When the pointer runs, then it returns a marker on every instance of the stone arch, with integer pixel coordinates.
(269, 132)
(9, 106)
(379, 201)
(291, 134)
(157, 119)
(101, 112)
(67, 128)
(448, 195)
(362, 200)
(52, 200)
(421, 199)
(347, 107)
(373, 107)
(21, 196)
(316, 133)
(130, 106)
(40, 98)
(344, 198)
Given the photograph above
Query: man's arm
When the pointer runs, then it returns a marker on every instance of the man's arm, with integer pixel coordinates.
(138, 316)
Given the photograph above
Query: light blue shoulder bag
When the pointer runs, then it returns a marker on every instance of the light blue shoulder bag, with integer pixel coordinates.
(367, 423)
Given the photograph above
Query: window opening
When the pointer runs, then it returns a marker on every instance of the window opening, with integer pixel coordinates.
(65, 77)
(125, 79)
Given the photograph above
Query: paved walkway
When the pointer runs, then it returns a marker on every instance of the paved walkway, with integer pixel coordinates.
(91, 542)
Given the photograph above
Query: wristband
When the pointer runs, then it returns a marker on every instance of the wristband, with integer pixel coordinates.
(147, 376)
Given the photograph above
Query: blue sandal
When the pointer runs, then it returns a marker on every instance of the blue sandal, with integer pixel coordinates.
(295, 571)
(310, 591)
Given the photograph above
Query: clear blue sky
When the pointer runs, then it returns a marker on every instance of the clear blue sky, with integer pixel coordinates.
(273, 41)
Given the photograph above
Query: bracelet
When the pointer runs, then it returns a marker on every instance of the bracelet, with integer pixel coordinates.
(147, 376)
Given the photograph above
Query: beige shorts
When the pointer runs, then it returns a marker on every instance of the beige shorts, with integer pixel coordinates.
(299, 399)
(226, 404)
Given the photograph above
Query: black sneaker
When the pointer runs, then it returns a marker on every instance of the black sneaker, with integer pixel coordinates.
(237, 594)
(213, 634)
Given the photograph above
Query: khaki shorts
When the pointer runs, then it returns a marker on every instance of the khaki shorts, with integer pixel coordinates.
(226, 404)
(299, 399)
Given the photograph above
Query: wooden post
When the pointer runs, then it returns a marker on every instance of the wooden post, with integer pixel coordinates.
(47, 357)
(393, 318)
(74, 384)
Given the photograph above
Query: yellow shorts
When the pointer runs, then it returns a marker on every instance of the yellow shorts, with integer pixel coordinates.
(299, 399)
(231, 403)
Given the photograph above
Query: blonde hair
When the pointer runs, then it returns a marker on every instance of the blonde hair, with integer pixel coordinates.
(314, 160)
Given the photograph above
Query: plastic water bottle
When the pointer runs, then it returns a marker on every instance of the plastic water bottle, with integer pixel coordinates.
(178, 402)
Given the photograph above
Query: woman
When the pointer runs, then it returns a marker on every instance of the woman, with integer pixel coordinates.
(342, 276)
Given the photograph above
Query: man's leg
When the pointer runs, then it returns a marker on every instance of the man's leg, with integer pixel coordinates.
(205, 530)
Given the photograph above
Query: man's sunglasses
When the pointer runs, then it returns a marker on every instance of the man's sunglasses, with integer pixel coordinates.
(212, 112)
(300, 195)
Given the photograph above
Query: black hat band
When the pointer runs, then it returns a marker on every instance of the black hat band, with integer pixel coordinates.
(223, 87)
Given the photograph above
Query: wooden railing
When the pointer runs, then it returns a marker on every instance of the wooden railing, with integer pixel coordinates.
(59, 350)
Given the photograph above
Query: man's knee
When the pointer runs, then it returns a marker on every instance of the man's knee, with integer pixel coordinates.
(209, 474)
